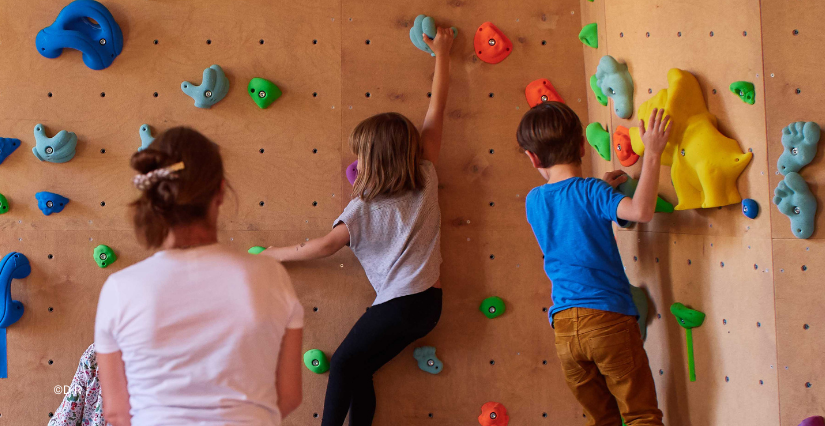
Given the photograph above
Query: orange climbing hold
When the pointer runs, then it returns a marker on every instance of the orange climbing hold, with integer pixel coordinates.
(541, 90)
(623, 147)
(493, 414)
(491, 45)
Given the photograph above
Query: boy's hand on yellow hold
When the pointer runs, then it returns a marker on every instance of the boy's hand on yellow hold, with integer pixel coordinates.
(655, 137)
(615, 178)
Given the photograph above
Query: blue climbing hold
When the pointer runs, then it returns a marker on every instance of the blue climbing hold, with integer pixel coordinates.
(212, 89)
(750, 208)
(423, 24)
(87, 26)
(58, 149)
(7, 146)
(427, 360)
(146, 137)
(49, 202)
(13, 266)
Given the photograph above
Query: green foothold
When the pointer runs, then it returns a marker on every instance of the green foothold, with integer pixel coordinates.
(263, 92)
(640, 300)
(794, 199)
(745, 90)
(594, 85)
(4, 204)
(256, 250)
(589, 35)
(316, 361)
(688, 319)
(599, 139)
(492, 307)
(104, 256)
(628, 188)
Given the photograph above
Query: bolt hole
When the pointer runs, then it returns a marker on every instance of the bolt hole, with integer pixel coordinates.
(544, 309)
(492, 151)
(155, 41)
(727, 379)
(155, 94)
(491, 94)
(50, 94)
(261, 204)
(744, 33)
(492, 256)
(261, 41)
(314, 150)
(367, 42)
(806, 326)
(798, 91)
(430, 415)
(808, 384)
(647, 34)
(429, 95)
(368, 94)
(102, 204)
(492, 204)
(714, 91)
(804, 268)
(315, 415)
(261, 150)
(689, 262)
(103, 150)
(544, 42)
(50, 256)
(315, 309)
(51, 362)
(544, 362)
(314, 41)
(711, 33)
(51, 415)
(621, 34)
(314, 204)
(679, 34)
(795, 32)
(314, 94)
(492, 362)
(758, 324)
(51, 309)
(208, 41)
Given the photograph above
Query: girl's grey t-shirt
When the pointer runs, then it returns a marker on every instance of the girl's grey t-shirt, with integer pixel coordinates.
(398, 239)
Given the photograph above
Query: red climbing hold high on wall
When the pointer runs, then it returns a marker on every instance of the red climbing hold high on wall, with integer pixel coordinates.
(491, 45)
(541, 90)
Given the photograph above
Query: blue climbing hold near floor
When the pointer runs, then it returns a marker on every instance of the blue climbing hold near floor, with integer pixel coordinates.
(7, 146)
(750, 208)
(87, 26)
(49, 202)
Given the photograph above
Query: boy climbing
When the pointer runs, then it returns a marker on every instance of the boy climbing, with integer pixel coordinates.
(597, 338)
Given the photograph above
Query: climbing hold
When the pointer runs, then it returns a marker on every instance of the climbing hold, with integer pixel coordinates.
(793, 199)
(688, 319)
(623, 147)
(423, 24)
(146, 137)
(427, 360)
(541, 90)
(628, 188)
(13, 266)
(256, 250)
(212, 89)
(615, 81)
(800, 141)
(491, 45)
(750, 208)
(58, 149)
(49, 203)
(640, 300)
(7, 146)
(104, 256)
(492, 307)
(493, 414)
(704, 163)
(589, 35)
(263, 92)
(599, 139)
(4, 204)
(813, 421)
(352, 172)
(745, 90)
(87, 26)
(594, 86)
(316, 361)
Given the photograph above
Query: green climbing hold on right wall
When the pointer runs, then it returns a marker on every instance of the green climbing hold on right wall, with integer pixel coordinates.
(745, 90)
(263, 92)
(492, 307)
(316, 361)
(589, 35)
(594, 85)
(599, 139)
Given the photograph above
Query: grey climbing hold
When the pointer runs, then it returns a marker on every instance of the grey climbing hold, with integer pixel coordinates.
(793, 199)
(616, 83)
(800, 141)
(58, 149)
(146, 137)
(427, 361)
(212, 89)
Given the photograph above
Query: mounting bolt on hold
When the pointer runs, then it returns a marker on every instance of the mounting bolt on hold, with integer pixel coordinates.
(492, 307)
(493, 414)
(427, 361)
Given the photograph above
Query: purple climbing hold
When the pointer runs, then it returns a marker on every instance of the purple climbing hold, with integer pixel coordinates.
(750, 208)
(352, 172)
(813, 421)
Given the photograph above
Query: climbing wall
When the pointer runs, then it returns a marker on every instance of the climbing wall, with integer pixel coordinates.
(337, 62)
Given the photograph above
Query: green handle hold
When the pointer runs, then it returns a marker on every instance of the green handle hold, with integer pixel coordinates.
(628, 188)
(316, 361)
(256, 250)
(688, 319)
(599, 139)
(263, 92)
(104, 256)
(492, 307)
(589, 35)
(745, 90)
(594, 86)
(4, 204)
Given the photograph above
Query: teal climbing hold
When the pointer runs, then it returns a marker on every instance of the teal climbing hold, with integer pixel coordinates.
(599, 139)
(423, 24)
(4, 204)
(316, 361)
(256, 250)
(146, 137)
(688, 319)
(640, 300)
(628, 188)
(793, 199)
(58, 149)
(104, 256)
(492, 307)
(212, 89)
(800, 141)
(615, 81)
(745, 90)
(589, 35)
(594, 86)
(427, 360)
(263, 92)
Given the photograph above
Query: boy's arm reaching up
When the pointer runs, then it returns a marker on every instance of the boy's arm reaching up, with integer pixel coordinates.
(640, 208)
(434, 121)
(312, 249)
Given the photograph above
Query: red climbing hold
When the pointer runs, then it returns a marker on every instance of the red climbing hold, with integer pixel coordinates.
(493, 414)
(491, 45)
(623, 148)
(541, 90)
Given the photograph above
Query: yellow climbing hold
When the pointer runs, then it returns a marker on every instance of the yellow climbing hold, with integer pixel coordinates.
(704, 163)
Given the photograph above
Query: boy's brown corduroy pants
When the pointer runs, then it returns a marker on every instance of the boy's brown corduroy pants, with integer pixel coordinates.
(605, 364)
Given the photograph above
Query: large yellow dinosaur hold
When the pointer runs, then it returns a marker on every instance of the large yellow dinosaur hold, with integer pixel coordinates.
(704, 163)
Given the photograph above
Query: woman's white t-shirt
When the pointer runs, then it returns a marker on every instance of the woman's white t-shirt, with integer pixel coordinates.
(200, 331)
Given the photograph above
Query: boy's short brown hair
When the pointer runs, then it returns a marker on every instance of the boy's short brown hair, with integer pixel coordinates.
(553, 132)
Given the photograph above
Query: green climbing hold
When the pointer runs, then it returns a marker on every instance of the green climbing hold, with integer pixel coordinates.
(628, 188)
(316, 361)
(256, 250)
(104, 256)
(688, 319)
(4, 204)
(589, 35)
(745, 90)
(492, 307)
(594, 85)
(599, 139)
(263, 92)
(640, 300)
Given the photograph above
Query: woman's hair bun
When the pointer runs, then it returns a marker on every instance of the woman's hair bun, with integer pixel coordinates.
(150, 159)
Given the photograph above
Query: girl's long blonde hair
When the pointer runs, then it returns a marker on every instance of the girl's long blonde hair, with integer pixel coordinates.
(388, 149)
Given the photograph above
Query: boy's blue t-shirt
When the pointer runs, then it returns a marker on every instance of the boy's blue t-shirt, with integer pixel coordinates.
(572, 223)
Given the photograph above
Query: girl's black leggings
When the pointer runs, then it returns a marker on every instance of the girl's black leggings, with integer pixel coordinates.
(378, 336)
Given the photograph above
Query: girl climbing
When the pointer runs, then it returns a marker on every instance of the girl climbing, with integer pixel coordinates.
(393, 225)
(201, 334)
